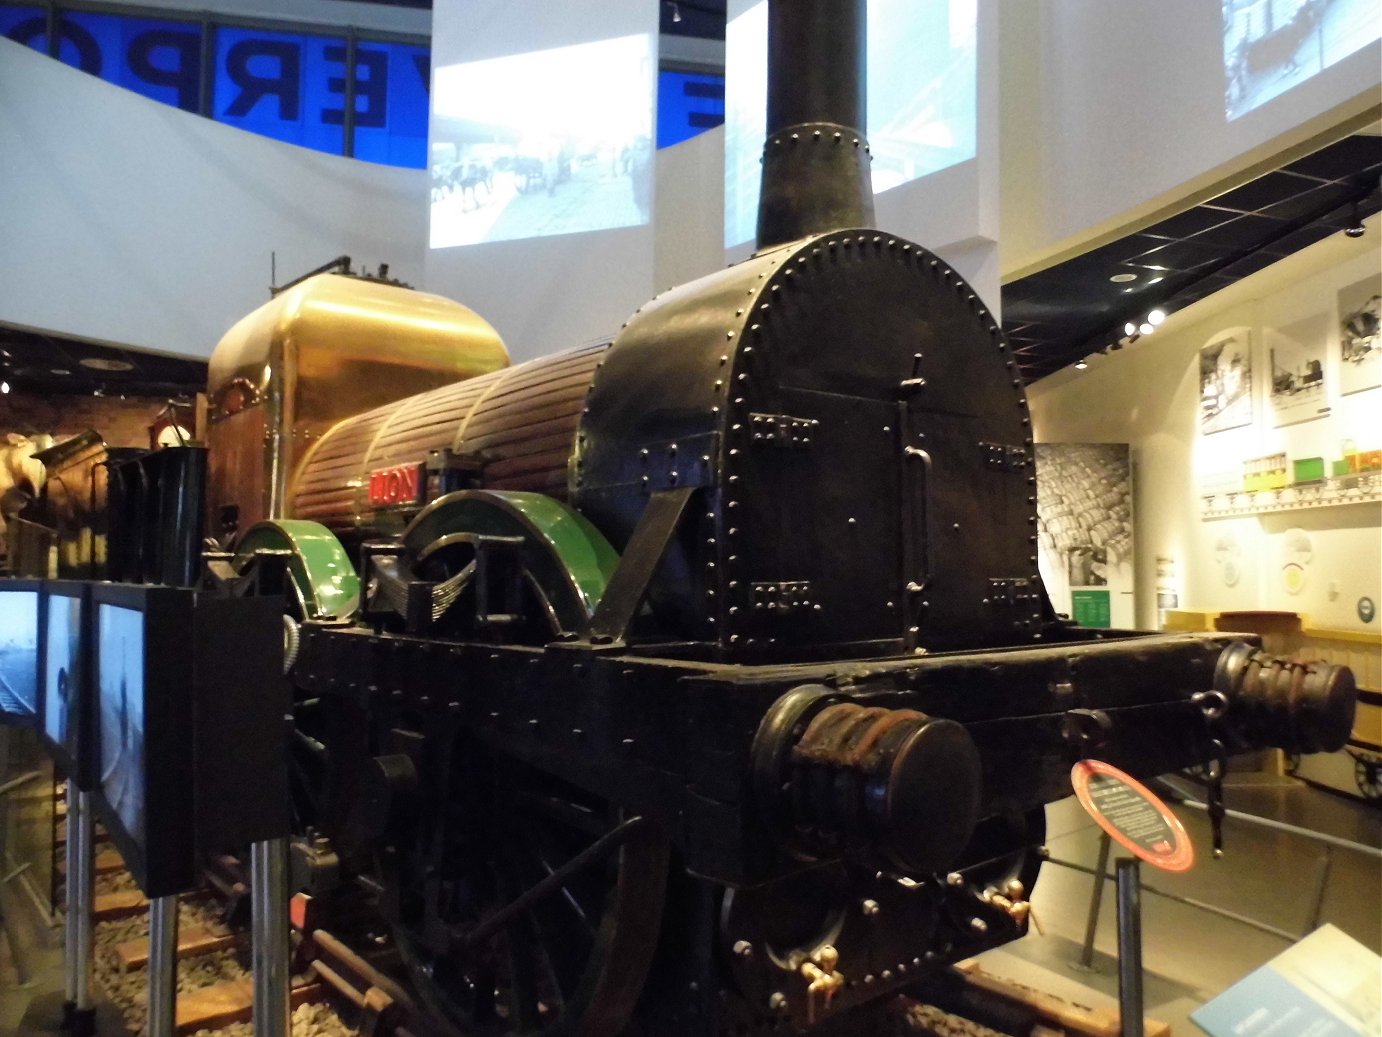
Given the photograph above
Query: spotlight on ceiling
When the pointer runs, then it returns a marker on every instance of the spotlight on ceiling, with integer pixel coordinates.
(4, 387)
(1123, 278)
(1355, 229)
(1156, 317)
(676, 12)
(1130, 328)
(1145, 328)
(1081, 365)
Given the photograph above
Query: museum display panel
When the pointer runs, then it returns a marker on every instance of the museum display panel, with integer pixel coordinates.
(20, 605)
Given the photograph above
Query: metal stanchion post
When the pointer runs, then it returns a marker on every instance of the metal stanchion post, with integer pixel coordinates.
(69, 944)
(1321, 884)
(1130, 1008)
(269, 933)
(163, 966)
(80, 894)
(1096, 900)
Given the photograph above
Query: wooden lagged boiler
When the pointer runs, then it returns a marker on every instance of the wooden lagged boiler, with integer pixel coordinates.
(700, 681)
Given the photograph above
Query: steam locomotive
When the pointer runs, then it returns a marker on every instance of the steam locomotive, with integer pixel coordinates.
(700, 681)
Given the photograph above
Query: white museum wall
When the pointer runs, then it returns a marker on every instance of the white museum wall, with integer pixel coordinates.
(1148, 395)
(688, 206)
(1113, 111)
(132, 222)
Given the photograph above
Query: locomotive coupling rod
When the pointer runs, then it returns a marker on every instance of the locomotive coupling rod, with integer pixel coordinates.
(592, 854)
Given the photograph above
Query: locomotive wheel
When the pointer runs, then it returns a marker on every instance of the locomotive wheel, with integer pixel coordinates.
(572, 962)
(565, 562)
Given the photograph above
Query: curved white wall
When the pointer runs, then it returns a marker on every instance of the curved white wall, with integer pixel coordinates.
(1115, 109)
(133, 222)
(1149, 396)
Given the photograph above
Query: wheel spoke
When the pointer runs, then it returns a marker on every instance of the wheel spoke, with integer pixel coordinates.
(553, 905)
(563, 811)
(523, 992)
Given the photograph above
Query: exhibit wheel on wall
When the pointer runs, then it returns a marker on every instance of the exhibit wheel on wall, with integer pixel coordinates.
(532, 908)
(1367, 772)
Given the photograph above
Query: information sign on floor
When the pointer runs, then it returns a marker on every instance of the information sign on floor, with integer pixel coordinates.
(1327, 985)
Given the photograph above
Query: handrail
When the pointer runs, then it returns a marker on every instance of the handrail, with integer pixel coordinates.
(1179, 794)
(1265, 822)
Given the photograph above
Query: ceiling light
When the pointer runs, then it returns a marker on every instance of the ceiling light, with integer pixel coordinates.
(1130, 328)
(1356, 228)
(1081, 365)
(4, 387)
(100, 363)
(1156, 317)
(676, 12)
(59, 371)
(1145, 329)
(1123, 278)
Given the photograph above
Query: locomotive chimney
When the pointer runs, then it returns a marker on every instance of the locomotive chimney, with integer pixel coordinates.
(815, 158)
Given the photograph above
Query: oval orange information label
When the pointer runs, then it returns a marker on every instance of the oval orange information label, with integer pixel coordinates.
(1132, 815)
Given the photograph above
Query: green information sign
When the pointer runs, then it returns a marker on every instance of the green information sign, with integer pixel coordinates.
(1092, 608)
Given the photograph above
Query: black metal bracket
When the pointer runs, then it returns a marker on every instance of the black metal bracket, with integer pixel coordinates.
(265, 574)
(646, 548)
(448, 471)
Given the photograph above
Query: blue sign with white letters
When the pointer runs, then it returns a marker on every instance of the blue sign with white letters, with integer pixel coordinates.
(291, 86)
(286, 85)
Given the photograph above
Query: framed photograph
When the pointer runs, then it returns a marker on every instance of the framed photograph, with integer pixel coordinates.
(1226, 381)
(1360, 336)
(1296, 355)
(1085, 530)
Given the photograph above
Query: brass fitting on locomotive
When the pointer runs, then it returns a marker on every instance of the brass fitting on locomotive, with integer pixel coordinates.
(1297, 706)
(894, 786)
